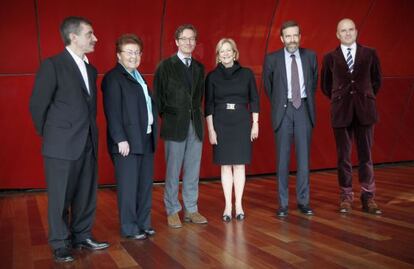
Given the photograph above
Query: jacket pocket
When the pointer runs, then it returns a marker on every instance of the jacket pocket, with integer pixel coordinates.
(58, 123)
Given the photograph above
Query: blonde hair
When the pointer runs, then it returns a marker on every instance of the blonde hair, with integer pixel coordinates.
(233, 47)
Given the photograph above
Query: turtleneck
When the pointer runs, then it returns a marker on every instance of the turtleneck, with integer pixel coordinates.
(229, 72)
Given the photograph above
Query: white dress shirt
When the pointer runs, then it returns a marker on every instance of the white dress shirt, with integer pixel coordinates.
(353, 50)
(82, 67)
(288, 65)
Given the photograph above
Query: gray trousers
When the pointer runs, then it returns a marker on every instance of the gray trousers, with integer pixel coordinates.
(295, 127)
(185, 154)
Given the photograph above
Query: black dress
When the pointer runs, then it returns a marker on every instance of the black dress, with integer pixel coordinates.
(231, 95)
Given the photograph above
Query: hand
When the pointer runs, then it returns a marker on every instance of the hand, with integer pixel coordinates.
(254, 134)
(123, 148)
(212, 137)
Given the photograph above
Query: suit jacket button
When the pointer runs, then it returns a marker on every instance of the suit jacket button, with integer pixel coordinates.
(284, 105)
(352, 81)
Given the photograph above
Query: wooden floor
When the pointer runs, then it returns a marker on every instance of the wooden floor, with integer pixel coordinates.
(326, 240)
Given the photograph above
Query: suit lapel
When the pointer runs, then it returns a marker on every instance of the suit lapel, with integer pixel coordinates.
(179, 72)
(282, 68)
(340, 60)
(196, 73)
(305, 69)
(91, 80)
(358, 57)
(76, 72)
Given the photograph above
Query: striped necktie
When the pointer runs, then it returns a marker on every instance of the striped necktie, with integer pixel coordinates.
(350, 61)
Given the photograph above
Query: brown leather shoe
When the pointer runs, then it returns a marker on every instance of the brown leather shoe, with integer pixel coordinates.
(345, 206)
(174, 221)
(371, 207)
(195, 217)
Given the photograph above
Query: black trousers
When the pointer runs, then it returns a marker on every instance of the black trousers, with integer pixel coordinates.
(134, 177)
(71, 189)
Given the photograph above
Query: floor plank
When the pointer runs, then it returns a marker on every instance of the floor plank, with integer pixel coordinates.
(326, 240)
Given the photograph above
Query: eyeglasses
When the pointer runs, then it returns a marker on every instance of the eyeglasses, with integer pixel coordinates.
(187, 39)
(132, 53)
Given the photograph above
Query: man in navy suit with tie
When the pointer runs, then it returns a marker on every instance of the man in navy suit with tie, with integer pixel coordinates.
(290, 77)
(63, 108)
(351, 78)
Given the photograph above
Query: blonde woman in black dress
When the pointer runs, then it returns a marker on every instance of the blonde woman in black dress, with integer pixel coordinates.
(232, 114)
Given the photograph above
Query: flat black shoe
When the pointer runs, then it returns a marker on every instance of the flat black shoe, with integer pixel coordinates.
(226, 218)
(240, 216)
(282, 212)
(63, 255)
(305, 210)
(149, 231)
(140, 236)
(91, 244)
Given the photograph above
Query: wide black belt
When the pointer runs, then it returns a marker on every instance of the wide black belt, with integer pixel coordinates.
(230, 106)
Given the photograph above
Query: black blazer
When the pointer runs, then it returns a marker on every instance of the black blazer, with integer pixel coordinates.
(177, 104)
(62, 110)
(275, 81)
(126, 111)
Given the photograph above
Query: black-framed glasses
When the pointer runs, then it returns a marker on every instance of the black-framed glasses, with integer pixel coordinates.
(132, 53)
(187, 39)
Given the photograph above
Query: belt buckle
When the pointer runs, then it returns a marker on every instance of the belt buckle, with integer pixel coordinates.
(230, 106)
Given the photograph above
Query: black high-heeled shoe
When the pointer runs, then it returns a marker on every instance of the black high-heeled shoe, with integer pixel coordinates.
(226, 218)
(240, 216)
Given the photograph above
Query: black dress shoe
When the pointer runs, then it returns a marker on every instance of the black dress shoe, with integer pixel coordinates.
(226, 218)
(240, 216)
(139, 236)
(63, 255)
(282, 212)
(305, 210)
(149, 231)
(91, 244)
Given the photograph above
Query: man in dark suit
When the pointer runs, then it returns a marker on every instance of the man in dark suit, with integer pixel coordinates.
(179, 88)
(63, 108)
(351, 78)
(290, 77)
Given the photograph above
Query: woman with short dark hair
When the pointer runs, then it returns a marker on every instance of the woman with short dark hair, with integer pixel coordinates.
(131, 137)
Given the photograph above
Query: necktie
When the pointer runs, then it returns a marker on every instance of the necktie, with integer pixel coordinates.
(187, 61)
(349, 61)
(295, 83)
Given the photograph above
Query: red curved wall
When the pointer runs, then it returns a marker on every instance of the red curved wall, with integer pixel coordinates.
(29, 33)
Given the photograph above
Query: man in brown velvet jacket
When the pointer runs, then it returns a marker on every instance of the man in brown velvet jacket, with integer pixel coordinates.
(351, 78)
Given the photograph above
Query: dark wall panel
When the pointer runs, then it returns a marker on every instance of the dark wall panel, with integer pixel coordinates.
(18, 36)
(110, 20)
(318, 20)
(217, 19)
(388, 28)
(20, 162)
(254, 25)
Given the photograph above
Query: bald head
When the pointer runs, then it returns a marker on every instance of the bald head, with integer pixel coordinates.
(346, 32)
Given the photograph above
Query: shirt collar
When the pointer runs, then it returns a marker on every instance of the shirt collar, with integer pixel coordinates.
(182, 56)
(288, 54)
(77, 59)
(345, 48)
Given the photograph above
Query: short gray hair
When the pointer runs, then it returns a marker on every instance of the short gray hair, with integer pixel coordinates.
(72, 25)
